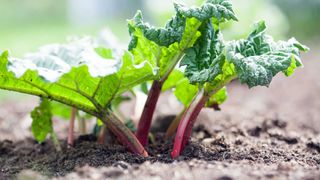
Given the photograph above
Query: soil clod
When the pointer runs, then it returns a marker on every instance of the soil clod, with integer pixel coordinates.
(314, 145)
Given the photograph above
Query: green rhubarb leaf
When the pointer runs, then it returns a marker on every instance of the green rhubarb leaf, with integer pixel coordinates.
(218, 98)
(182, 89)
(132, 74)
(291, 68)
(163, 57)
(42, 120)
(60, 110)
(73, 74)
(259, 58)
(174, 78)
(171, 33)
(219, 10)
(164, 47)
(104, 52)
(228, 73)
(204, 60)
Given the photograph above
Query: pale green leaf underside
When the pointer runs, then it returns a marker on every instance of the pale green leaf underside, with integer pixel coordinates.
(77, 87)
(52, 61)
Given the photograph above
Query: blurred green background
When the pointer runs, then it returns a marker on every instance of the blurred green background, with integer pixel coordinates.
(26, 25)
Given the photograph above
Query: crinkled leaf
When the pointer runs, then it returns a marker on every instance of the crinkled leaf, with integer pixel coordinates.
(203, 61)
(259, 58)
(171, 33)
(219, 10)
(216, 89)
(182, 89)
(164, 47)
(74, 83)
(228, 73)
(41, 120)
(163, 57)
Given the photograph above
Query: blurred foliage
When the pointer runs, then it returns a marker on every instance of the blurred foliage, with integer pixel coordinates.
(25, 25)
(29, 24)
(17, 12)
(251, 11)
(303, 17)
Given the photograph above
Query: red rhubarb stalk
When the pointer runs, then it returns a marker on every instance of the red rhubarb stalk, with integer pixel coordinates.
(124, 134)
(70, 140)
(147, 114)
(187, 121)
(174, 125)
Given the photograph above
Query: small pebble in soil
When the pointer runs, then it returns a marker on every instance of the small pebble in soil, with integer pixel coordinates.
(256, 131)
(281, 137)
(279, 123)
(224, 178)
(313, 145)
(269, 175)
(121, 164)
(238, 142)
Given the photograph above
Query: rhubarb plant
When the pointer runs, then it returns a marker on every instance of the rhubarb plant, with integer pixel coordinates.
(79, 75)
(92, 79)
(164, 47)
(213, 63)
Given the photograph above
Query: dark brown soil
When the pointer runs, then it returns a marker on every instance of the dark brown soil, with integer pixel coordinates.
(204, 146)
(28, 154)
